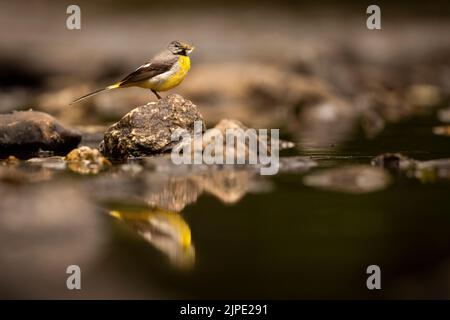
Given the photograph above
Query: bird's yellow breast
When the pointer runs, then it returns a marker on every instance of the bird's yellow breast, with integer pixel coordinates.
(184, 64)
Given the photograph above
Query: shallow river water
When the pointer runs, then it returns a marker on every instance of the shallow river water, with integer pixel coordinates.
(143, 230)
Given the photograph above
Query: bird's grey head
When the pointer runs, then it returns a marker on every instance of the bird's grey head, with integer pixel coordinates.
(180, 48)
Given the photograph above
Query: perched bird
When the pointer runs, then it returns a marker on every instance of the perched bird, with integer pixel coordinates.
(163, 72)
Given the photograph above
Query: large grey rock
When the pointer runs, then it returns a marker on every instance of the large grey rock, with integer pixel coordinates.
(26, 132)
(147, 129)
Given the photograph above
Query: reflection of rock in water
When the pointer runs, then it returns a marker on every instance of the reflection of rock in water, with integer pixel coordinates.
(173, 193)
(227, 185)
(161, 183)
(165, 230)
(175, 186)
(42, 231)
(34, 170)
(176, 192)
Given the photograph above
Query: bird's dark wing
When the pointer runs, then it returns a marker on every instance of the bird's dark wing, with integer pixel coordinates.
(149, 70)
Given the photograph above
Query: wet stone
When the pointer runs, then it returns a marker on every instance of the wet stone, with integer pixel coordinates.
(27, 132)
(230, 139)
(351, 179)
(442, 130)
(10, 161)
(433, 170)
(53, 163)
(232, 125)
(426, 171)
(393, 161)
(444, 115)
(85, 160)
(424, 96)
(296, 164)
(147, 129)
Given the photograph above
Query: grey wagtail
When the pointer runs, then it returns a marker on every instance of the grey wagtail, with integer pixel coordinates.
(163, 72)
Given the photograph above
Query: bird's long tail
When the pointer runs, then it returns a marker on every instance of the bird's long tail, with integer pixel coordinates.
(114, 86)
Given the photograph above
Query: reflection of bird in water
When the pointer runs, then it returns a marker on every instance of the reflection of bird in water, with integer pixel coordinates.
(165, 230)
(163, 72)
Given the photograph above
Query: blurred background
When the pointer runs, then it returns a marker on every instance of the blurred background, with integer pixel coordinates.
(344, 94)
(259, 62)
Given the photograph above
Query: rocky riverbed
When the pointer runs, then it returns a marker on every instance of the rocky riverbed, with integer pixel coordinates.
(147, 194)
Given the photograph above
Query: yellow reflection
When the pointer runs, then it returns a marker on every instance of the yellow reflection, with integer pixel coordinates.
(165, 230)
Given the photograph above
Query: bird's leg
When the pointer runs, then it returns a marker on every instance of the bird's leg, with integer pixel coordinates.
(156, 94)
